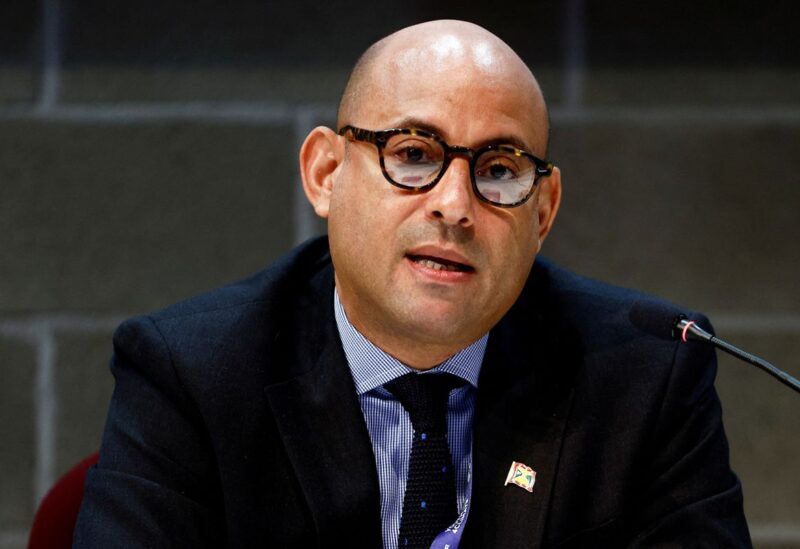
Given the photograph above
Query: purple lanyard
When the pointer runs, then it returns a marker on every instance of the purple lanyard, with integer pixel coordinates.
(451, 537)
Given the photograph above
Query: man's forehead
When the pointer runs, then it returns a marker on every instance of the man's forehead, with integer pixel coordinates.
(464, 101)
(452, 74)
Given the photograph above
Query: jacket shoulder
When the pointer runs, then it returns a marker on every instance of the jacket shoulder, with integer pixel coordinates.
(235, 328)
(238, 320)
(596, 309)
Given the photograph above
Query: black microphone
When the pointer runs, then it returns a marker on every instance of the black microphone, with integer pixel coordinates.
(668, 322)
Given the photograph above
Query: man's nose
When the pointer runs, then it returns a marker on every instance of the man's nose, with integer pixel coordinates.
(452, 200)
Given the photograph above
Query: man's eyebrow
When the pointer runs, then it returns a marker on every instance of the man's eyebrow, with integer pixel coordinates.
(416, 123)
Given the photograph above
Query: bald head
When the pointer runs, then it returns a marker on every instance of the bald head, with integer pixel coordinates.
(439, 49)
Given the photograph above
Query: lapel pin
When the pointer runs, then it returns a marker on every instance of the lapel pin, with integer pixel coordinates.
(521, 475)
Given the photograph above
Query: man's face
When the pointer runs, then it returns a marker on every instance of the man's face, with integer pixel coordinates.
(394, 251)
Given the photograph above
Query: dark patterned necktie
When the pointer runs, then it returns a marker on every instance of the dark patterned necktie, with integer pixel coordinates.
(429, 504)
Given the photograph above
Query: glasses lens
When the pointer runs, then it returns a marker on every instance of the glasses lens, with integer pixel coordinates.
(412, 160)
(503, 176)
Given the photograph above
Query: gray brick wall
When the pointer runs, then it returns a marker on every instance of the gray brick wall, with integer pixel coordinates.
(149, 152)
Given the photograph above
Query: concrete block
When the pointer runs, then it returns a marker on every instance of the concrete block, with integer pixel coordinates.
(128, 218)
(703, 215)
(258, 51)
(17, 433)
(84, 384)
(156, 83)
(663, 34)
(18, 85)
(280, 84)
(259, 33)
(752, 88)
(18, 52)
(761, 420)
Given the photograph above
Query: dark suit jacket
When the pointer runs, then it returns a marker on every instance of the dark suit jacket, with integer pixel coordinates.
(235, 422)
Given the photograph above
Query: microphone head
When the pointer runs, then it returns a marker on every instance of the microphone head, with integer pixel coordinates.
(656, 318)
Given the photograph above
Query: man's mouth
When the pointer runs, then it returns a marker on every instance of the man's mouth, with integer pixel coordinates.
(440, 264)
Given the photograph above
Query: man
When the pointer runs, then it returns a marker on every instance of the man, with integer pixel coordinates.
(295, 408)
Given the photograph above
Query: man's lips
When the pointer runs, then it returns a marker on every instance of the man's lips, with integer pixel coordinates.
(440, 260)
(439, 264)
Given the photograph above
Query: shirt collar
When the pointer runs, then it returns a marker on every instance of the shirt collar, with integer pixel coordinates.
(371, 367)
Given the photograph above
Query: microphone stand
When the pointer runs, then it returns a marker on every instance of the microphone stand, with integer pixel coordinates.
(688, 329)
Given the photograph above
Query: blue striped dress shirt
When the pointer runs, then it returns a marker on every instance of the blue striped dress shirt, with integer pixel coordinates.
(389, 425)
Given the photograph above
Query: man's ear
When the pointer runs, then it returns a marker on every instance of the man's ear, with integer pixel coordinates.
(548, 202)
(320, 157)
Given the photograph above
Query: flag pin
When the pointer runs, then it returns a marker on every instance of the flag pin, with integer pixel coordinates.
(521, 475)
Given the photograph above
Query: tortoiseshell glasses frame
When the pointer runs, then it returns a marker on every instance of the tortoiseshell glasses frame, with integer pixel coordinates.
(501, 175)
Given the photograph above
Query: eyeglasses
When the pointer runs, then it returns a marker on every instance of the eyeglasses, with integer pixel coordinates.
(416, 160)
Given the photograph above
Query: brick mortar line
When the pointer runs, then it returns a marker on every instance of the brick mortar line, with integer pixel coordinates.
(744, 323)
(46, 410)
(574, 53)
(51, 55)
(248, 113)
(279, 114)
(29, 327)
(777, 532)
(677, 116)
(14, 538)
(302, 213)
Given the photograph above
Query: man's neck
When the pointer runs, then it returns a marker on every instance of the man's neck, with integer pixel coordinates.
(411, 351)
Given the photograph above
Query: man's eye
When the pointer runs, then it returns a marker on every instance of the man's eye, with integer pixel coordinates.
(412, 155)
(498, 171)
(412, 150)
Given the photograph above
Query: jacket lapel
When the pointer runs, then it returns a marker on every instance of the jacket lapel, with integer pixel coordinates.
(322, 427)
(524, 398)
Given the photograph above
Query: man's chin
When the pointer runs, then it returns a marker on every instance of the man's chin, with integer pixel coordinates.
(444, 325)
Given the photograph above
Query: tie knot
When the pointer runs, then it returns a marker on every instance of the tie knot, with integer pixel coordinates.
(424, 396)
